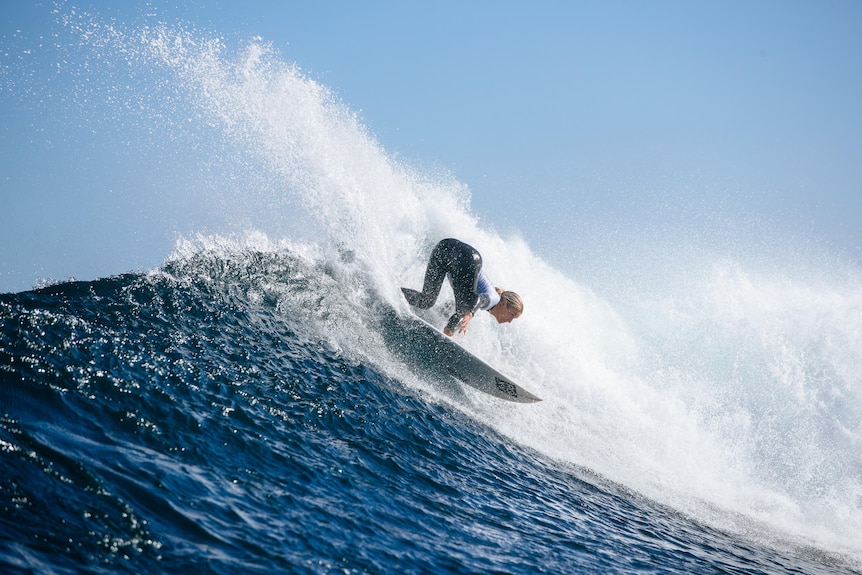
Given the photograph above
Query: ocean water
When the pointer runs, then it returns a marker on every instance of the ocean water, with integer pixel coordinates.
(202, 418)
(237, 410)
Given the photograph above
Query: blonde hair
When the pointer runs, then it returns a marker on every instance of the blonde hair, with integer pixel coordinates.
(513, 300)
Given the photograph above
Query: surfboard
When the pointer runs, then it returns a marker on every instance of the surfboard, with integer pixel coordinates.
(419, 340)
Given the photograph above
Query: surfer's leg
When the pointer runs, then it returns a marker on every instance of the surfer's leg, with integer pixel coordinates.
(464, 273)
(438, 266)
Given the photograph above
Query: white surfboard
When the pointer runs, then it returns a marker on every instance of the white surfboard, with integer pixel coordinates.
(435, 348)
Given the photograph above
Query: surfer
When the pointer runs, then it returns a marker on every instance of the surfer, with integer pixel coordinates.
(473, 290)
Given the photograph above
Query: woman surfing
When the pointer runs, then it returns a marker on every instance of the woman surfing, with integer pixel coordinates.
(473, 290)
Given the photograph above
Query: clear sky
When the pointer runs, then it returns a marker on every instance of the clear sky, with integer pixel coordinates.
(569, 121)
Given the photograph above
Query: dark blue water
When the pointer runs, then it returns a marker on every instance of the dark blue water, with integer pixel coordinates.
(191, 422)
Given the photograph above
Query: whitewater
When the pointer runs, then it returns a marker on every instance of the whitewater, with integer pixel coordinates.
(237, 409)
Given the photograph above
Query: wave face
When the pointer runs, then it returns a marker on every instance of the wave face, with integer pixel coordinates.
(237, 409)
(202, 418)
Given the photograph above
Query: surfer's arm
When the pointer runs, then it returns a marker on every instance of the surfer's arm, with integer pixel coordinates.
(458, 321)
(464, 321)
(464, 311)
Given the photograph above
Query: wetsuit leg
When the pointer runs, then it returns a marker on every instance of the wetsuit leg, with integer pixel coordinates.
(462, 262)
(464, 274)
(438, 266)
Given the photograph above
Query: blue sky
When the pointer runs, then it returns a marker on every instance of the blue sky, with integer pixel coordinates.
(571, 122)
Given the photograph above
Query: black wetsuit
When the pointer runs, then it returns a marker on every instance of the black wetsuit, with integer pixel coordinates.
(463, 264)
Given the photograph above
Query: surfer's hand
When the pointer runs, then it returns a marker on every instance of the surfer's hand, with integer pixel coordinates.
(467, 317)
(448, 332)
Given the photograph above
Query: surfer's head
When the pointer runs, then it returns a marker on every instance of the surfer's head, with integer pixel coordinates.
(511, 306)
